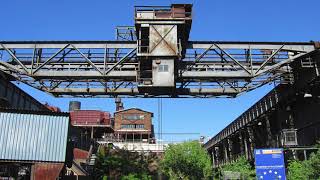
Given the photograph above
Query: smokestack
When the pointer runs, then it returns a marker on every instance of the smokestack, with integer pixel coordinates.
(74, 105)
(119, 104)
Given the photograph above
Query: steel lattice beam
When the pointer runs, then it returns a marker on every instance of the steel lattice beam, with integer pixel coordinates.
(111, 68)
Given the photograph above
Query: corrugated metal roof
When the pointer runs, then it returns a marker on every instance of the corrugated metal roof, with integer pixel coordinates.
(33, 137)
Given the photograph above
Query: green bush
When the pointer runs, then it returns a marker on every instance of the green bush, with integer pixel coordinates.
(241, 165)
(116, 163)
(136, 177)
(299, 170)
(188, 160)
(305, 170)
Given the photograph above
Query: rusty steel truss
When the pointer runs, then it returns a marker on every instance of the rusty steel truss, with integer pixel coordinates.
(154, 58)
(112, 68)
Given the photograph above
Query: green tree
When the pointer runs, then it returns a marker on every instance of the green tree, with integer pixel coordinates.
(307, 169)
(314, 165)
(116, 163)
(299, 170)
(188, 160)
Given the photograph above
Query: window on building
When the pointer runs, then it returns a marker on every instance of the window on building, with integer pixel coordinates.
(133, 117)
(139, 126)
(163, 68)
(132, 126)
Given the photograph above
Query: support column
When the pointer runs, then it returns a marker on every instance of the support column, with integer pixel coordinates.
(230, 149)
(213, 158)
(269, 133)
(226, 158)
(133, 137)
(251, 140)
(290, 118)
(217, 153)
(241, 144)
(92, 132)
(245, 141)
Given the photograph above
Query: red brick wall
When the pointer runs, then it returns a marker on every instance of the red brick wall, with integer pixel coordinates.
(147, 121)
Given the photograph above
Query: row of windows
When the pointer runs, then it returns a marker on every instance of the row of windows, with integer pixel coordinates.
(132, 126)
(133, 117)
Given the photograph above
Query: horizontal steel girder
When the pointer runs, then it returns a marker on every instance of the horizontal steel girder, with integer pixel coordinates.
(293, 46)
(111, 68)
(137, 92)
(61, 44)
(288, 46)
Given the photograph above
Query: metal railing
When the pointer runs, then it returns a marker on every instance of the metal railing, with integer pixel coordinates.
(159, 12)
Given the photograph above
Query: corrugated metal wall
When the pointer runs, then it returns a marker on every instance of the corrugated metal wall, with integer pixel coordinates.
(90, 117)
(33, 137)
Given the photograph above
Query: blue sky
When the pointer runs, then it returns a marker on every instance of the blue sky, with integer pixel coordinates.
(246, 20)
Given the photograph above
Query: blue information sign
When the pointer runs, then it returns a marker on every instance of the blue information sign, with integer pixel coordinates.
(270, 164)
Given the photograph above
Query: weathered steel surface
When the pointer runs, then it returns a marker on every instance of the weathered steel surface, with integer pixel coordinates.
(129, 68)
(47, 171)
(90, 117)
(13, 97)
(266, 103)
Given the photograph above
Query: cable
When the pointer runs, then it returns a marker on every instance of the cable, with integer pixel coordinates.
(160, 118)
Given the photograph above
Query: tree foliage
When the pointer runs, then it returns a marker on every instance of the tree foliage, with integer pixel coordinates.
(241, 165)
(298, 170)
(305, 170)
(120, 163)
(188, 160)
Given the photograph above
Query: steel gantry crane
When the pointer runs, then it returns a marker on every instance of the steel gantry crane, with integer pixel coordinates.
(154, 58)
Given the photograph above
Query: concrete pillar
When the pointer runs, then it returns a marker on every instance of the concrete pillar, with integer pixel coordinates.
(140, 137)
(230, 149)
(92, 132)
(226, 158)
(213, 158)
(252, 144)
(290, 118)
(305, 154)
(242, 152)
(133, 137)
(217, 158)
(269, 133)
(245, 141)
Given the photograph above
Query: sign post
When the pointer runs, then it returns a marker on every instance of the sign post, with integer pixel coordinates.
(270, 164)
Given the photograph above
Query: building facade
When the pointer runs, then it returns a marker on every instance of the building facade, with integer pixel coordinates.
(133, 125)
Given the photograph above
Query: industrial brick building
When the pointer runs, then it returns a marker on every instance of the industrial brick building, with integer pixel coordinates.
(127, 125)
(133, 125)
